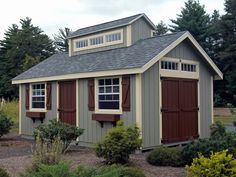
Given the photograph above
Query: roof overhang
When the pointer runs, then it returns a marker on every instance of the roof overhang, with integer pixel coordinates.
(218, 74)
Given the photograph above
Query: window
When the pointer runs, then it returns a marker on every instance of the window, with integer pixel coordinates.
(113, 37)
(188, 67)
(169, 65)
(82, 43)
(38, 96)
(96, 41)
(109, 93)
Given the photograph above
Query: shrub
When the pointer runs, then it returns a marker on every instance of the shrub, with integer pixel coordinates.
(47, 153)
(119, 143)
(61, 169)
(165, 156)
(66, 132)
(218, 164)
(217, 130)
(5, 124)
(3, 173)
(107, 171)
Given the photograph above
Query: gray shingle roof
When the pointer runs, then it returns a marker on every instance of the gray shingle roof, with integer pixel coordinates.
(104, 26)
(134, 56)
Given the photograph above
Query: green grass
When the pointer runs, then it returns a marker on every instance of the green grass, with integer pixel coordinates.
(11, 109)
(226, 120)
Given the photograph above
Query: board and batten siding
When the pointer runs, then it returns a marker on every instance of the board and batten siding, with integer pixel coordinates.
(27, 124)
(101, 48)
(140, 30)
(151, 107)
(185, 51)
(93, 131)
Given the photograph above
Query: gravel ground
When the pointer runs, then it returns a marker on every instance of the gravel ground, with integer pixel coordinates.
(15, 156)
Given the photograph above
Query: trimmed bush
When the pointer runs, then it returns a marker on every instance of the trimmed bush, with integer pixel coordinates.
(218, 164)
(165, 156)
(3, 173)
(47, 153)
(119, 143)
(5, 124)
(49, 132)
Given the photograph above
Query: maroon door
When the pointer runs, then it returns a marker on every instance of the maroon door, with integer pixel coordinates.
(179, 109)
(67, 102)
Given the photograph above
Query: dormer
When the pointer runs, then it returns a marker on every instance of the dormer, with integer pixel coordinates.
(114, 34)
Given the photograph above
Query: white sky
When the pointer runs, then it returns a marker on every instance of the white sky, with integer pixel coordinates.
(50, 15)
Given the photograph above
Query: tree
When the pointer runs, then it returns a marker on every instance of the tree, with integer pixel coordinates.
(18, 44)
(193, 18)
(228, 50)
(61, 40)
(161, 28)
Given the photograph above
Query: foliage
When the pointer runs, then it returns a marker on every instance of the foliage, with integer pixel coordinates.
(119, 143)
(61, 169)
(217, 130)
(11, 110)
(107, 171)
(20, 44)
(61, 41)
(5, 124)
(218, 164)
(161, 28)
(47, 153)
(219, 140)
(54, 129)
(3, 173)
(165, 156)
(193, 18)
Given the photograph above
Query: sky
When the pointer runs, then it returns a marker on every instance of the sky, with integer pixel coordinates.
(51, 15)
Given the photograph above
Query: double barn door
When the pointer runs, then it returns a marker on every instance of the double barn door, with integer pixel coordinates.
(179, 109)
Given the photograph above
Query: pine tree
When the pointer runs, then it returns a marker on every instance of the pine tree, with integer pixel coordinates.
(16, 47)
(61, 40)
(228, 52)
(161, 28)
(193, 18)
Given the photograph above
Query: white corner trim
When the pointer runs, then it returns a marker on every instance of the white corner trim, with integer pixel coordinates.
(160, 103)
(77, 103)
(20, 104)
(129, 35)
(212, 100)
(138, 96)
(70, 46)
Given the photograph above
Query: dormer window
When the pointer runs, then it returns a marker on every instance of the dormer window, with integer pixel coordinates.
(99, 40)
(96, 40)
(113, 37)
(82, 43)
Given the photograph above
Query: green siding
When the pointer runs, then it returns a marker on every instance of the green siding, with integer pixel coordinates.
(140, 30)
(93, 131)
(150, 107)
(27, 123)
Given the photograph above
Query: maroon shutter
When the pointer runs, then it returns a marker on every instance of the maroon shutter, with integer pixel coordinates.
(91, 93)
(49, 96)
(27, 96)
(126, 93)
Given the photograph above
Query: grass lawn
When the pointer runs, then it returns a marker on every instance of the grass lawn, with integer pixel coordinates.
(226, 120)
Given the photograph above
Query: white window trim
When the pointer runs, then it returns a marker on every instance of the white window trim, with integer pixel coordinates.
(98, 45)
(108, 111)
(30, 99)
(179, 73)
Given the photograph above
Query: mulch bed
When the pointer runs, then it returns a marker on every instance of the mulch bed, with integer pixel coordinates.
(15, 156)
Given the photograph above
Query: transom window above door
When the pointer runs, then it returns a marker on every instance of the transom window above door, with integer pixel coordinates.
(38, 96)
(108, 93)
